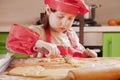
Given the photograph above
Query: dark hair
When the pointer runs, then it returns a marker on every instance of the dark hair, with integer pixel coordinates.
(45, 20)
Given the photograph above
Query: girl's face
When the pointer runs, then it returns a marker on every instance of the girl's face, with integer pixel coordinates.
(60, 21)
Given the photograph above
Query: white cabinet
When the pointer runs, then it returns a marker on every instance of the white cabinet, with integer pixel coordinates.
(93, 39)
(93, 35)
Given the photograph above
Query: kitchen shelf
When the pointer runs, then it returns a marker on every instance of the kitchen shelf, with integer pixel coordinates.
(86, 29)
(100, 29)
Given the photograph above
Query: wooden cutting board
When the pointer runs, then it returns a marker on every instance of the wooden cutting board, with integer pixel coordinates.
(55, 70)
(53, 74)
(58, 69)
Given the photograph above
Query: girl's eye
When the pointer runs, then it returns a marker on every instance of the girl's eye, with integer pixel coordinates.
(70, 18)
(60, 16)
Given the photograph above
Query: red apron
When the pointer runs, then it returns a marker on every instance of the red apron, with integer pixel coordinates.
(74, 51)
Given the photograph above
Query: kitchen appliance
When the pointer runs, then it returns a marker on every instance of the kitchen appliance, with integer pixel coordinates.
(89, 17)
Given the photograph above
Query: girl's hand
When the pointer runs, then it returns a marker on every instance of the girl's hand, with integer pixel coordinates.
(50, 50)
(89, 53)
(42, 50)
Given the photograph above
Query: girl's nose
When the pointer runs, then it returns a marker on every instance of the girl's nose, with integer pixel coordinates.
(64, 22)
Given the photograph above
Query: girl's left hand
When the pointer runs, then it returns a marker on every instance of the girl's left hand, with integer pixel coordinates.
(89, 53)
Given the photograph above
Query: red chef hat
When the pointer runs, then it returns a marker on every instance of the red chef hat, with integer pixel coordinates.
(68, 6)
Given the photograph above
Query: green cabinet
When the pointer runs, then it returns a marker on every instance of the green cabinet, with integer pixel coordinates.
(3, 36)
(111, 44)
(3, 50)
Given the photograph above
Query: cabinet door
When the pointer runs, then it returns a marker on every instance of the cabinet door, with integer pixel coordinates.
(111, 44)
(3, 36)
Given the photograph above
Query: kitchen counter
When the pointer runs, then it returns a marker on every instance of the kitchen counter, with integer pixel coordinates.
(6, 28)
(100, 29)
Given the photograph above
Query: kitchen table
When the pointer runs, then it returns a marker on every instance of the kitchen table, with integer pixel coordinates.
(101, 68)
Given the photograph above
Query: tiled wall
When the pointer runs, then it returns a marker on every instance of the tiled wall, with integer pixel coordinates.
(20, 11)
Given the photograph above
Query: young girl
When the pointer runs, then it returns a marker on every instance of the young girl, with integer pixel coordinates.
(55, 37)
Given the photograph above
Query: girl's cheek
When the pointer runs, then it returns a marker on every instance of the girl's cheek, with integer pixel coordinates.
(59, 22)
(70, 24)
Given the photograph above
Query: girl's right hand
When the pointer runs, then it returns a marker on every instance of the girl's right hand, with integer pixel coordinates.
(49, 49)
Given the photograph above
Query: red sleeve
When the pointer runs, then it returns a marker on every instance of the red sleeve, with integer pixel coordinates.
(74, 52)
(21, 40)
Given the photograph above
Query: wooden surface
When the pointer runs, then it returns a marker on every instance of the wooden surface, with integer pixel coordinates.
(58, 70)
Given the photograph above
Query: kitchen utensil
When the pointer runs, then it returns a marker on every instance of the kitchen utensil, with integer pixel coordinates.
(70, 59)
(89, 17)
(91, 14)
(5, 61)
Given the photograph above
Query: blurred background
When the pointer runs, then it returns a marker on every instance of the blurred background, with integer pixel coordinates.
(28, 11)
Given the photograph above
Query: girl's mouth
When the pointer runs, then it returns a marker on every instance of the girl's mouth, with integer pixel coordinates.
(62, 28)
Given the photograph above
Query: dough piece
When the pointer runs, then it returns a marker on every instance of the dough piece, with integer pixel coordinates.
(32, 71)
(45, 60)
(59, 60)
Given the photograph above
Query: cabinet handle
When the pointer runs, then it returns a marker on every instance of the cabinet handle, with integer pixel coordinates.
(111, 42)
(2, 43)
